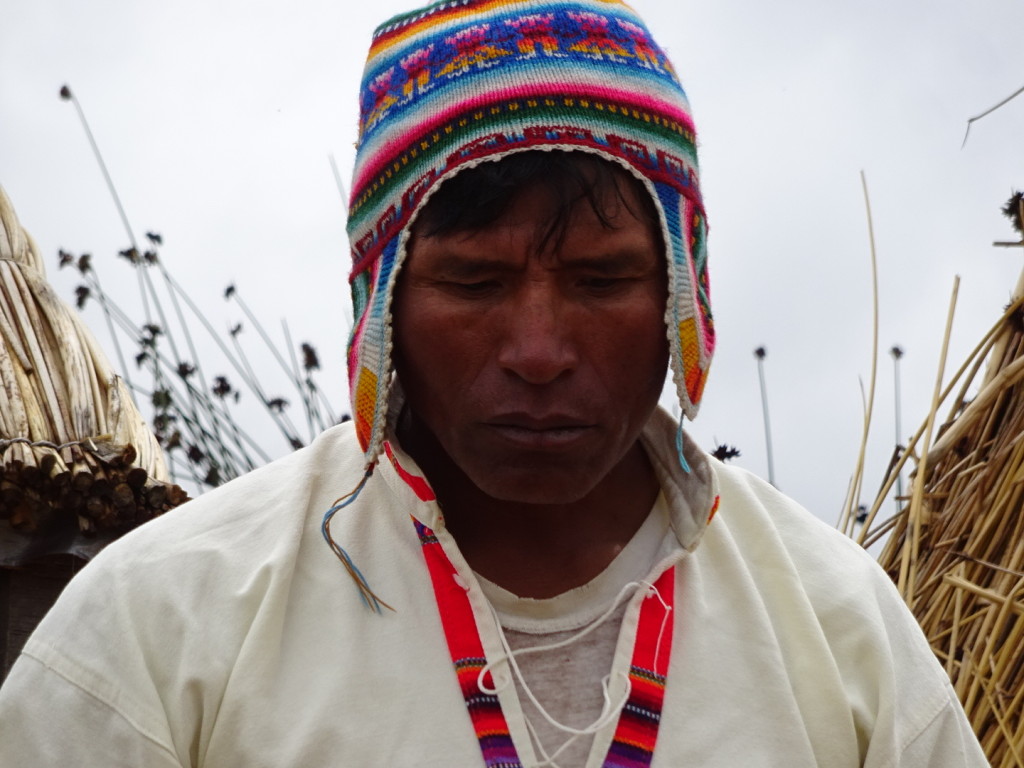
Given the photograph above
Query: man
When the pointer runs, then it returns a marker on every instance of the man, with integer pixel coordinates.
(537, 566)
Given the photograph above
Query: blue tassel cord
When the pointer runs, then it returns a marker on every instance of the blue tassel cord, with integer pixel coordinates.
(368, 596)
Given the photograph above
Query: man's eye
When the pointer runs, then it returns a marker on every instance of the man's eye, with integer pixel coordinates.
(601, 284)
(475, 289)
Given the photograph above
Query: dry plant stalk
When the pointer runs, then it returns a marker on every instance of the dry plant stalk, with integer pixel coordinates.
(853, 493)
(956, 549)
(75, 454)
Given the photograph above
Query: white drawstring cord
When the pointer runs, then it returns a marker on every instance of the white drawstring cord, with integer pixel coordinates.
(609, 711)
(664, 623)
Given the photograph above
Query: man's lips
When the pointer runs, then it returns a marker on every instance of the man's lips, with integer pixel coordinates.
(538, 423)
(553, 431)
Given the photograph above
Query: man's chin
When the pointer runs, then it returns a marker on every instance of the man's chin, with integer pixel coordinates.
(539, 486)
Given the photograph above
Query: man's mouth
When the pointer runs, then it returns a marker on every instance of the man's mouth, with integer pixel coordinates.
(553, 431)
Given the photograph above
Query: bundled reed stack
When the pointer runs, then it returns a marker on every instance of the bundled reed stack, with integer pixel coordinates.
(956, 548)
(78, 466)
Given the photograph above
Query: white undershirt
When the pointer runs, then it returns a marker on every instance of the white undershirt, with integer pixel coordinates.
(567, 681)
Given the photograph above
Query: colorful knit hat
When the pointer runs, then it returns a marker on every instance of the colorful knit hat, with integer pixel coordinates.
(462, 82)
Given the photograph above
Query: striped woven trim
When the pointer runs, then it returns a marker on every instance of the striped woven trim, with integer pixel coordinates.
(610, 120)
(637, 730)
(467, 654)
(512, 113)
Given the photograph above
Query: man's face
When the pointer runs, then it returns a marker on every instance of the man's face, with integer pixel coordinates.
(535, 369)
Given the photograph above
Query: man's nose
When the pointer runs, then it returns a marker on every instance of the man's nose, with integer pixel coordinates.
(538, 343)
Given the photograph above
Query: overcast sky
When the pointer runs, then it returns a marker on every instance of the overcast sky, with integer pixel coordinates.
(217, 120)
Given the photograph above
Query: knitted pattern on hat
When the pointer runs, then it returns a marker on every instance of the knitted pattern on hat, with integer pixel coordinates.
(468, 81)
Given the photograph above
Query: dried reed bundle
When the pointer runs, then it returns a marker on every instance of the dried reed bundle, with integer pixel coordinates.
(75, 455)
(956, 548)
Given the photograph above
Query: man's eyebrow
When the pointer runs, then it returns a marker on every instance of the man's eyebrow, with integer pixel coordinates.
(458, 265)
(614, 262)
(465, 266)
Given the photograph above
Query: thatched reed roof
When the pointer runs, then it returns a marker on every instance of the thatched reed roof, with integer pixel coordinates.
(956, 548)
(78, 465)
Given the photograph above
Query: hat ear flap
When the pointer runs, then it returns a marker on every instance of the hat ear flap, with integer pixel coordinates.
(688, 314)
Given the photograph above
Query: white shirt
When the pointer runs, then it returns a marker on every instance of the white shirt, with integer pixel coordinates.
(227, 634)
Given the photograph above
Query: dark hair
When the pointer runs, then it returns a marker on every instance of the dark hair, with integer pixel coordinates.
(477, 197)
